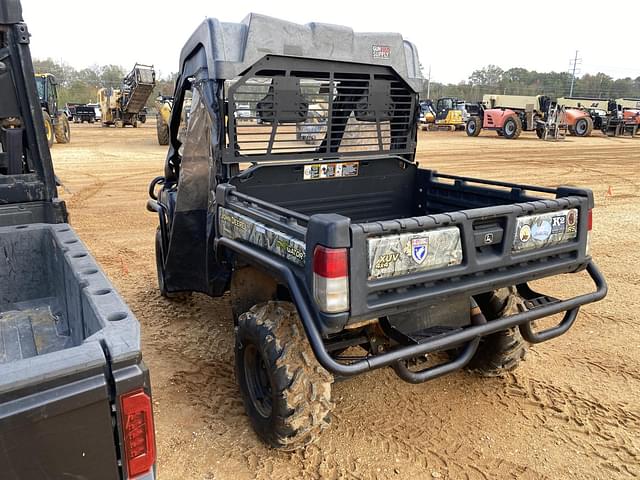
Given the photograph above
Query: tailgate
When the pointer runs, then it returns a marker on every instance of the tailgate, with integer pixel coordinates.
(55, 416)
(395, 264)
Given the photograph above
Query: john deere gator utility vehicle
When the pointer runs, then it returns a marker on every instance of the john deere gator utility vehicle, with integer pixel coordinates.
(340, 254)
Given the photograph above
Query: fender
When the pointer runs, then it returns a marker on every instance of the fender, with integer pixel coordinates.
(495, 117)
(632, 114)
(572, 115)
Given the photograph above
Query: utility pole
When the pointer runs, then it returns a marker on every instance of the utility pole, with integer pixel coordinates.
(573, 65)
(429, 84)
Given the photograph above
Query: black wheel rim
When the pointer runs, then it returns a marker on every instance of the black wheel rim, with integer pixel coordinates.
(258, 383)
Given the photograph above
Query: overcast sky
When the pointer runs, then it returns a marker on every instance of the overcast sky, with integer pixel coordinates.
(454, 37)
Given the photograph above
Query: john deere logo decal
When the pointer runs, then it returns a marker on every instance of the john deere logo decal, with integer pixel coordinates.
(419, 248)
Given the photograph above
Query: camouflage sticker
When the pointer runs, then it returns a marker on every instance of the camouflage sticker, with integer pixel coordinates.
(240, 227)
(395, 255)
(538, 231)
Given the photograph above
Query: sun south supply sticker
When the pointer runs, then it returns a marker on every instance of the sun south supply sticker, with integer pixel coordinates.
(419, 249)
(380, 51)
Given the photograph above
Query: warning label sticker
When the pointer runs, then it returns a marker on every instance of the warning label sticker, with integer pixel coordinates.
(330, 170)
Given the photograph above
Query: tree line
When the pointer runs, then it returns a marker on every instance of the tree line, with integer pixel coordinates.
(520, 81)
(81, 86)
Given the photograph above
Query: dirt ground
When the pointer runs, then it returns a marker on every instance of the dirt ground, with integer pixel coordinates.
(572, 410)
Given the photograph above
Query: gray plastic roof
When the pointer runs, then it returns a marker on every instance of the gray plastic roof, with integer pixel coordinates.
(234, 47)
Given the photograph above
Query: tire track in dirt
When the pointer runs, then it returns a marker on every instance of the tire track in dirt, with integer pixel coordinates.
(80, 197)
(582, 421)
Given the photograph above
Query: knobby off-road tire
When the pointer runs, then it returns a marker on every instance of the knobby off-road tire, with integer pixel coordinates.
(163, 130)
(48, 128)
(502, 351)
(285, 391)
(473, 126)
(512, 128)
(62, 130)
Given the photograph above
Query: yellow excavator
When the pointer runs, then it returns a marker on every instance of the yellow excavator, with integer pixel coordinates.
(450, 113)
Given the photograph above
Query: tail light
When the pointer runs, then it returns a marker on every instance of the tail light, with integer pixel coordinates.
(331, 279)
(138, 433)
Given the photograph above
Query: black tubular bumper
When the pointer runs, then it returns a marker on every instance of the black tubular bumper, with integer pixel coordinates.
(469, 336)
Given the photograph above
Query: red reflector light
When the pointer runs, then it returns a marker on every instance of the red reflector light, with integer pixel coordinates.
(589, 220)
(138, 432)
(330, 262)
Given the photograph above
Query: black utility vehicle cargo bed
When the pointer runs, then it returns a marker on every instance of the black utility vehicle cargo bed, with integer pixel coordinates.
(28, 329)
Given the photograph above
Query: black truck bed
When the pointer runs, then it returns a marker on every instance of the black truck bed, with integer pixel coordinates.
(383, 189)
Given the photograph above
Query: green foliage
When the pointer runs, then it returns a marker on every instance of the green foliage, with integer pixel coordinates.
(520, 81)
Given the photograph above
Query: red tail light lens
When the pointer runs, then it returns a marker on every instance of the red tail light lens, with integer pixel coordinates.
(589, 220)
(138, 432)
(331, 279)
(330, 262)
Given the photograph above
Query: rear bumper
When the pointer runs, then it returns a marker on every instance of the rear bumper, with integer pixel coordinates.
(469, 335)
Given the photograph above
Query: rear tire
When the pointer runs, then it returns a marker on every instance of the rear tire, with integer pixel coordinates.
(502, 351)
(473, 126)
(540, 132)
(285, 391)
(162, 130)
(62, 130)
(48, 128)
(512, 128)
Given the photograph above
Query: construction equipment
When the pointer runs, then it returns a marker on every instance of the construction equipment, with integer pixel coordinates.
(630, 113)
(124, 106)
(613, 117)
(450, 114)
(508, 115)
(56, 123)
(341, 242)
(164, 104)
(427, 114)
